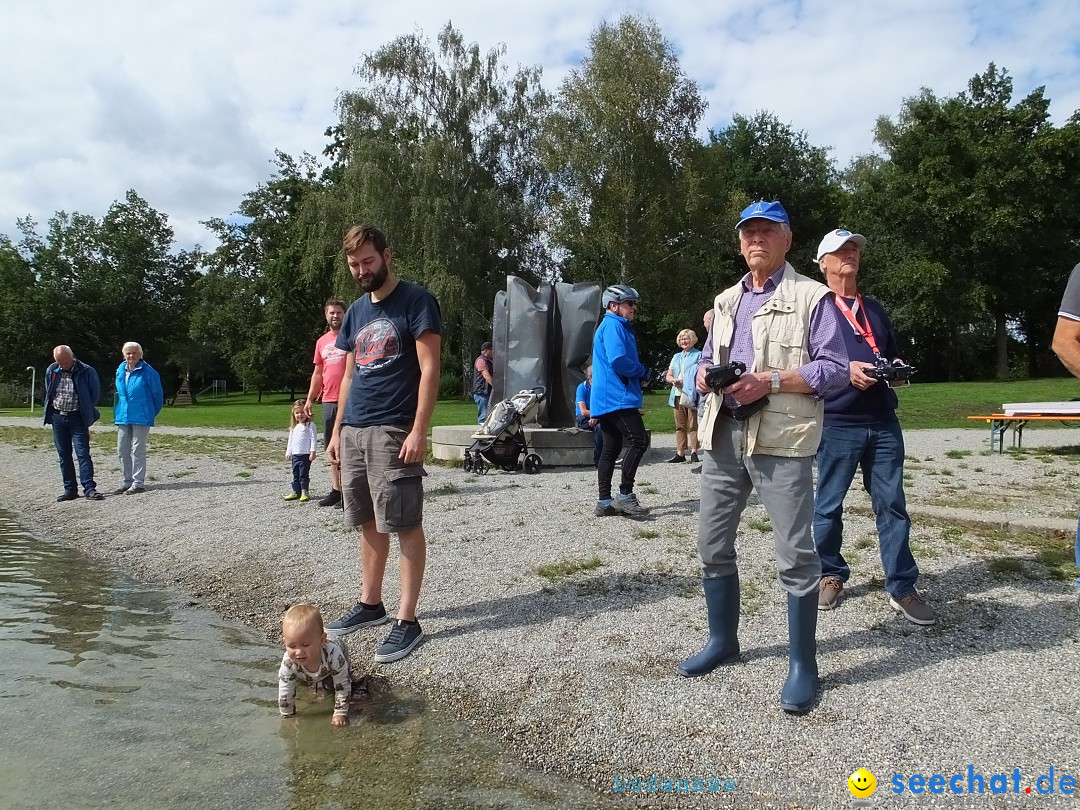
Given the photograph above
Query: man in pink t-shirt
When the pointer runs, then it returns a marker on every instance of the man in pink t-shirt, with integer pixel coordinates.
(325, 382)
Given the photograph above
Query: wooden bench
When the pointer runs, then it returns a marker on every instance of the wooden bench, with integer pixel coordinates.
(1000, 422)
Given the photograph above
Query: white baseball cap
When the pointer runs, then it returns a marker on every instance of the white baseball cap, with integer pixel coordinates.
(834, 240)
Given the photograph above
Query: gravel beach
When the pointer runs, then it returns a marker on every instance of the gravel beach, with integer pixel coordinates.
(558, 632)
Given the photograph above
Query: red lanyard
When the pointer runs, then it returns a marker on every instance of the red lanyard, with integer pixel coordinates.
(867, 333)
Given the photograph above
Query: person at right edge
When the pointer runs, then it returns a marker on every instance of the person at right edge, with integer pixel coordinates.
(1066, 346)
(785, 329)
(617, 399)
(861, 428)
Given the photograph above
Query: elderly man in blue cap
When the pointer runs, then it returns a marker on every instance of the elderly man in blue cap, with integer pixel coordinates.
(760, 433)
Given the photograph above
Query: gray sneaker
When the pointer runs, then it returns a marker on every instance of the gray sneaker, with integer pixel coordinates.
(829, 590)
(914, 608)
(402, 640)
(607, 510)
(359, 616)
(629, 505)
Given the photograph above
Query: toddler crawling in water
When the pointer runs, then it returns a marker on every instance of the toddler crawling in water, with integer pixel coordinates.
(314, 659)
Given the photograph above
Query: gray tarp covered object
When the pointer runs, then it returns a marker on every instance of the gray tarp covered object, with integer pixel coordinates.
(543, 337)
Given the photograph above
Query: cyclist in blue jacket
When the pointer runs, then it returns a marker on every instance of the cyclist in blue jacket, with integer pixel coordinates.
(616, 400)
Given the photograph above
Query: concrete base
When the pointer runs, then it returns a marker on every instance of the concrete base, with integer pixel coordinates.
(557, 447)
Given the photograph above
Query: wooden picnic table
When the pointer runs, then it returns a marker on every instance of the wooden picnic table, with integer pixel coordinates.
(1000, 422)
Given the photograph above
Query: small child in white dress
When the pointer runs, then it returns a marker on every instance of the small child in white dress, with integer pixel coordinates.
(314, 659)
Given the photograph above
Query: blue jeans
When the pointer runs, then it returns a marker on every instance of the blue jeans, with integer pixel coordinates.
(598, 438)
(879, 448)
(301, 472)
(481, 408)
(70, 433)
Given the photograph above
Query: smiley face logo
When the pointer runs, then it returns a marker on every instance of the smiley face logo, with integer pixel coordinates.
(862, 784)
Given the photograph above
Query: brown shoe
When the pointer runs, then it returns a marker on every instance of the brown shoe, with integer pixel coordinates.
(914, 608)
(829, 590)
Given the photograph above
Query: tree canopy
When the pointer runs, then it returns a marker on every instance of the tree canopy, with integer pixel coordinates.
(475, 172)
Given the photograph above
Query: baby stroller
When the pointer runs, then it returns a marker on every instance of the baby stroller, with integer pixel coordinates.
(501, 439)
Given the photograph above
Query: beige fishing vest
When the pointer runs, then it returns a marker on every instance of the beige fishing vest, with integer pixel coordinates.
(790, 425)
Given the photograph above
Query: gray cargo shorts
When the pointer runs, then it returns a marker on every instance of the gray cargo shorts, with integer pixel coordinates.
(329, 415)
(375, 483)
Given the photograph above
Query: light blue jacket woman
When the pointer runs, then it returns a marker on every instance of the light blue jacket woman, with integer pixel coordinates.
(139, 399)
(681, 373)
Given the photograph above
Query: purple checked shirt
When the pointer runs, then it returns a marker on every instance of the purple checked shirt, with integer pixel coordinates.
(827, 372)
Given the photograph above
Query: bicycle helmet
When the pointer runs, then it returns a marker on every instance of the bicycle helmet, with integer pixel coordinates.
(618, 293)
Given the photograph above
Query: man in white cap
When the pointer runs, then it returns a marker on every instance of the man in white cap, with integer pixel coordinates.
(760, 433)
(861, 428)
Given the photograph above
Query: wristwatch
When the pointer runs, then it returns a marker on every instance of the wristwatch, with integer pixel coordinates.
(775, 388)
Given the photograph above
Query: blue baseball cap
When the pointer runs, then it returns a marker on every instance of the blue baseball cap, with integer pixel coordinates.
(764, 210)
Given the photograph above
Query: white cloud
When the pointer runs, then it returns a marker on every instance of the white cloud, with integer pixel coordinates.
(186, 100)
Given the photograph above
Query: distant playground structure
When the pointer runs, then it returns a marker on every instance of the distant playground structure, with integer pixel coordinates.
(184, 396)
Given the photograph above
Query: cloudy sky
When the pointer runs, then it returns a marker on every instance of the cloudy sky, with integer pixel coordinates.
(186, 100)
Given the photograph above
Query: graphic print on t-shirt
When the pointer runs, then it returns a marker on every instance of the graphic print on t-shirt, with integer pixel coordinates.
(331, 354)
(377, 345)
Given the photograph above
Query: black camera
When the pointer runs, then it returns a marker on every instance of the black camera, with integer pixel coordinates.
(719, 377)
(895, 372)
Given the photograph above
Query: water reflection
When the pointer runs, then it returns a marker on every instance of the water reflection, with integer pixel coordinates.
(118, 694)
(110, 695)
(403, 759)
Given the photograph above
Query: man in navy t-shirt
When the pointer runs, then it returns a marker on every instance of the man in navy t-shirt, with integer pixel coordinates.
(861, 428)
(392, 338)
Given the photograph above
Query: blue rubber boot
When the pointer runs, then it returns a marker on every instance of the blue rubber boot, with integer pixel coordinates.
(801, 685)
(722, 602)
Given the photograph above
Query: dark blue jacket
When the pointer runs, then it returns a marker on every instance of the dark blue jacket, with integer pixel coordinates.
(616, 370)
(87, 386)
(138, 395)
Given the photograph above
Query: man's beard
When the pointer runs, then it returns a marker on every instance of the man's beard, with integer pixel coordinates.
(376, 280)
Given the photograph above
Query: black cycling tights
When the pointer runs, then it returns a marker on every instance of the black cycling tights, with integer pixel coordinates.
(616, 426)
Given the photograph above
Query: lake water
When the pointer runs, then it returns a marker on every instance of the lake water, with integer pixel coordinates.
(124, 695)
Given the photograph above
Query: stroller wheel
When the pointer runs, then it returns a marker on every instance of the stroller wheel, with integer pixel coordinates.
(479, 467)
(533, 463)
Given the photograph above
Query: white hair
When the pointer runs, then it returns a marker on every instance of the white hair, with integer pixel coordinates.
(131, 344)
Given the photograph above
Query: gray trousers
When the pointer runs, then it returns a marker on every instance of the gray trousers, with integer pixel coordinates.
(131, 449)
(786, 488)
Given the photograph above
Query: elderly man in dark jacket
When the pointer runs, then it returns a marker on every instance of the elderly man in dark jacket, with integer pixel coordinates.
(72, 389)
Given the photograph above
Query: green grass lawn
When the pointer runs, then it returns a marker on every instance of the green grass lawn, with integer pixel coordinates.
(934, 405)
(947, 405)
